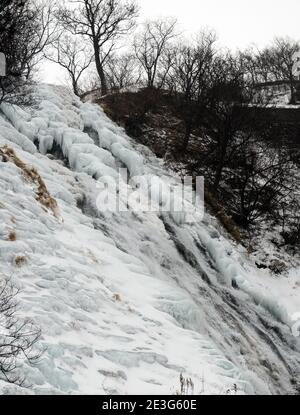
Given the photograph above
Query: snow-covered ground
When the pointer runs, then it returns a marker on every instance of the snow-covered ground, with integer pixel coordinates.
(128, 301)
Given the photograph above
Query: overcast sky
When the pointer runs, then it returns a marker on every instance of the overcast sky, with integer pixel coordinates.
(238, 23)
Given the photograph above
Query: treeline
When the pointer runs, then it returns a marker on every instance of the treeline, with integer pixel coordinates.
(102, 40)
(155, 54)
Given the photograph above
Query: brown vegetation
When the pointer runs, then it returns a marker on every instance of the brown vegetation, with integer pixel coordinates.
(12, 236)
(32, 176)
(117, 298)
(20, 260)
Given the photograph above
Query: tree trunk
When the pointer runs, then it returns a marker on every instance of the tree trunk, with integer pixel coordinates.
(75, 86)
(292, 87)
(100, 70)
(187, 135)
(220, 166)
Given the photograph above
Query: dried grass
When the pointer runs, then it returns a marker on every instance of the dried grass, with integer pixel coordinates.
(12, 236)
(32, 176)
(20, 260)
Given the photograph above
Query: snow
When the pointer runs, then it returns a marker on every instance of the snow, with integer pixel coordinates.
(127, 301)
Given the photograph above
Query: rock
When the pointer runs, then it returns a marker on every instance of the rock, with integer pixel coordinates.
(277, 266)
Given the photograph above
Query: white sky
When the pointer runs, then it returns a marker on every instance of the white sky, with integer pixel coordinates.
(238, 23)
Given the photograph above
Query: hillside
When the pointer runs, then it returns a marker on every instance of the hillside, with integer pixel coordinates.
(155, 119)
(113, 293)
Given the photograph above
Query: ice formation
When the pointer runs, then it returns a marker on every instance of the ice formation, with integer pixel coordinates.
(128, 301)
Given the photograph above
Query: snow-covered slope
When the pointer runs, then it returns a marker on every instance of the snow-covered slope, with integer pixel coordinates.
(127, 301)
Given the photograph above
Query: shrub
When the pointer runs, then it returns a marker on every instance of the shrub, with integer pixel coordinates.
(17, 337)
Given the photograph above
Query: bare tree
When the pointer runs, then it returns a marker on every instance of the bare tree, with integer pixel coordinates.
(283, 62)
(191, 75)
(121, 72)
(17, 23)
(260, 179)
(264, 65)
(102, 22)
(258, 65)
(228, 91)
(27, 28)
(17, 337)
(72, 55)
(165, 72)
(150, 45)
(44, 34)
(192, 66)
(290, 221)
